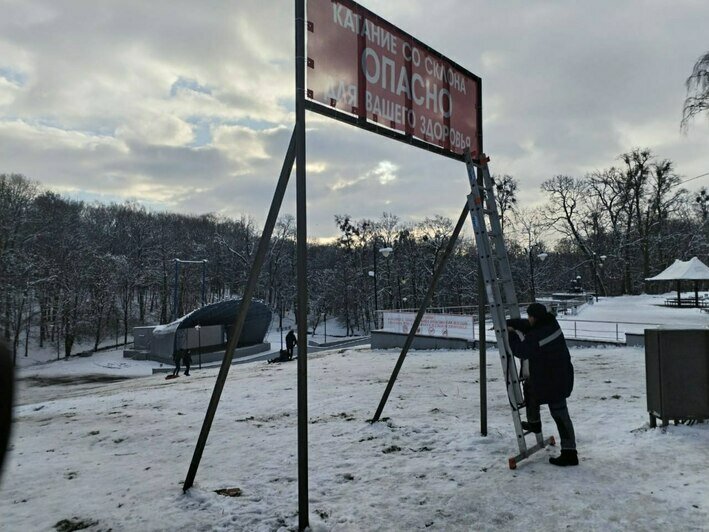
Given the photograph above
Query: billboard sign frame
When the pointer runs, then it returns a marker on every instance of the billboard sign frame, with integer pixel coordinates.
(408, 118)
(296, 156)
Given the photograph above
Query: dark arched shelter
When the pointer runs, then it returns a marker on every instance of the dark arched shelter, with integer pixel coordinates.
(168, 338)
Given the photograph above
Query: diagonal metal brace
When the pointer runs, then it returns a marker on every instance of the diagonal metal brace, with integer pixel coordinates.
(419, 316)
(238, 326)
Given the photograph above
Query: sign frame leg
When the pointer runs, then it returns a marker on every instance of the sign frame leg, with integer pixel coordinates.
(301, 265)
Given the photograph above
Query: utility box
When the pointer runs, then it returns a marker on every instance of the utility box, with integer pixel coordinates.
(677, 374)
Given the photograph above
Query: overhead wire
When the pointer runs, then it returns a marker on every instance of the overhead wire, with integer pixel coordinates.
(693, 178)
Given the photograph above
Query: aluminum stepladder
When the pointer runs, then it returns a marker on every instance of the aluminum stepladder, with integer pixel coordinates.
(500, 291)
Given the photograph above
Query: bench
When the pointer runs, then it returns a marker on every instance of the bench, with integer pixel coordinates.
(688, 302)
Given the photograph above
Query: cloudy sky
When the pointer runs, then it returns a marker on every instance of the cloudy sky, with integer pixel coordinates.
(188, 106)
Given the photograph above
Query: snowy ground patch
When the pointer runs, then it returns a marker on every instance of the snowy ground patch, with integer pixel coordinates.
(117, 453)
(647, 309)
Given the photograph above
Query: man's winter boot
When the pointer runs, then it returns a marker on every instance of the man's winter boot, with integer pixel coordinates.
(568, 457)
(532, 426)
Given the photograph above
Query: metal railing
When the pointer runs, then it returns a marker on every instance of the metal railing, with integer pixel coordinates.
(613, 331)
(558, 307)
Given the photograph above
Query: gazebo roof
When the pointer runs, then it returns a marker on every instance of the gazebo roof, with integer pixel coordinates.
(689, 270)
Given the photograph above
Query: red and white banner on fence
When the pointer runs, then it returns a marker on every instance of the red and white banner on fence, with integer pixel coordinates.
(362, 65)
(444, 325)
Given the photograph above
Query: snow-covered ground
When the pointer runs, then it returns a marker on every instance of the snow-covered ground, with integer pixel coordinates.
(610, 318)
(48, 354)
(335, 331)
(645, 309)
(100, 363)
(117, 453)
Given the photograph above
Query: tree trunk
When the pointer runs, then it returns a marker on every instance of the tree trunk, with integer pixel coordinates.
(42, 319)
(8, 319)
(126, 307)
(141, 305)
(99, 322)
(27, 328)
(17, 328)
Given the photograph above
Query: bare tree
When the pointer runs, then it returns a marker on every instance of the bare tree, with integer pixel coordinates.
(505, 197)
(701, 204)
(530, 227)
(697, 83)
(566, 205)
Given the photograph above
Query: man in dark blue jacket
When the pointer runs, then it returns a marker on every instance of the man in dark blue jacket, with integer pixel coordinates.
(551, 375)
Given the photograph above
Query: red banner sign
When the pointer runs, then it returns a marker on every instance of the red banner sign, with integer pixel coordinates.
(364, 66)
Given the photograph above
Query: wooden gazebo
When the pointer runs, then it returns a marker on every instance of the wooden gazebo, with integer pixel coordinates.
(690, 270)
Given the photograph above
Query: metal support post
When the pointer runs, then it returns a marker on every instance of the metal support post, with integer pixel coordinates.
(419, 316)
(482, 348)
(236, 329)
(301, 265)
(376, 295)
(531, 274)
(199, 343)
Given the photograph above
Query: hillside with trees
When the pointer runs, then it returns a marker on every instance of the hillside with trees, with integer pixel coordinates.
(71, 270)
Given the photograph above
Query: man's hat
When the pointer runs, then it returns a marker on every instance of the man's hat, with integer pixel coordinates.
(536, 310)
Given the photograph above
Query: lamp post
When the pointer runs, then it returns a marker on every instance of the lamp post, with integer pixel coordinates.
(386, 252)
(373, 273)
(596, 266)
(578, 283)
(199, 343)
(540, 256)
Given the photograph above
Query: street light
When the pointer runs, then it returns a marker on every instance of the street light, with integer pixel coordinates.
(597, 265)
(199, 349)
(386, 252)
(541, 257)
(373, 274)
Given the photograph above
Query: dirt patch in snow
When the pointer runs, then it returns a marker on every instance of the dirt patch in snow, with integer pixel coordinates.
(70, 380)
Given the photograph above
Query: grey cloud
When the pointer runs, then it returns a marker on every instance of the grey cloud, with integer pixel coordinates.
(567, 87)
